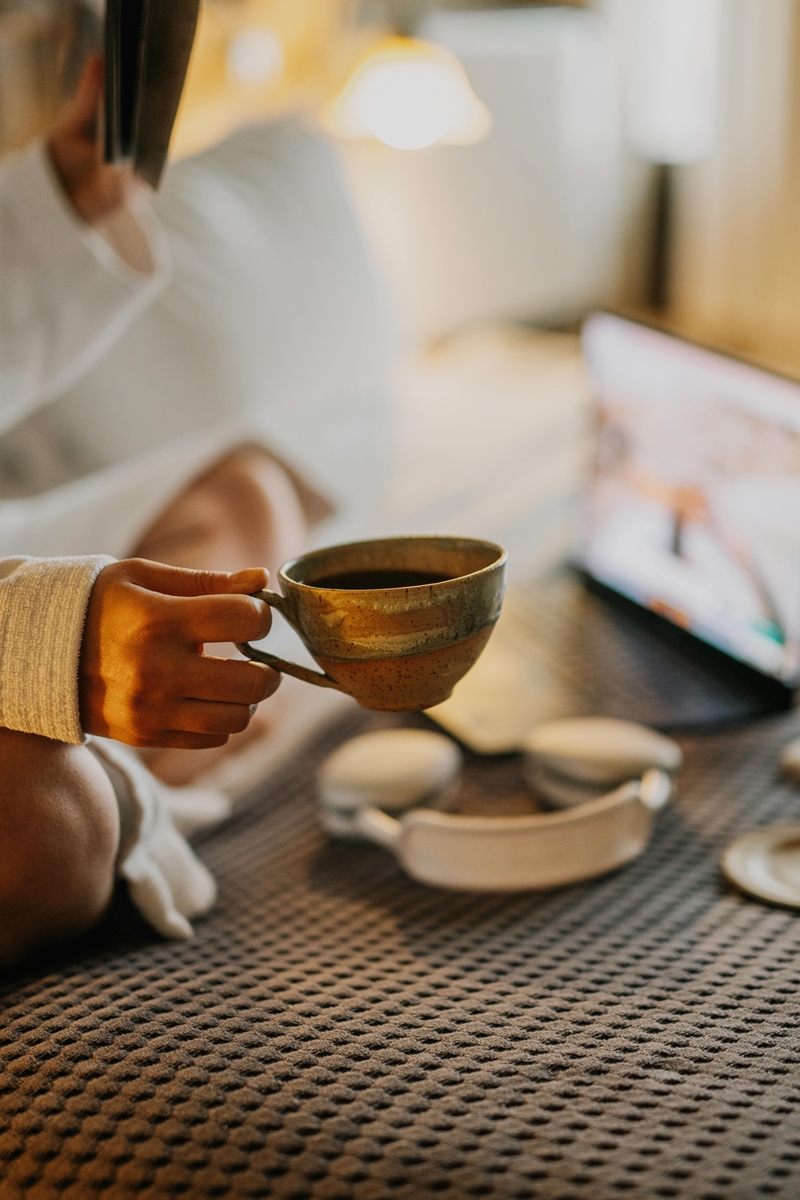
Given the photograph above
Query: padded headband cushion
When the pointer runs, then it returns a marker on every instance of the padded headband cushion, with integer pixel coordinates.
(393, 769)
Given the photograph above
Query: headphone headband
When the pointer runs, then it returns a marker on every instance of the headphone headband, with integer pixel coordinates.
(506, 854)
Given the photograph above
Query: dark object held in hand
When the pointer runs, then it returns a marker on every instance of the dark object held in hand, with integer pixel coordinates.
(147, 43)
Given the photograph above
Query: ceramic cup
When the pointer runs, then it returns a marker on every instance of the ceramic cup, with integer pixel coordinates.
(394, 622)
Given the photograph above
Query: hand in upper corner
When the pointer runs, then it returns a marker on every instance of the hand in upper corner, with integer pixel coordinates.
(143, 676)
(96, 190)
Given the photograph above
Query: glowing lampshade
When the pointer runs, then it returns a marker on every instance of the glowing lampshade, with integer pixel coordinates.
(674, 50)
(409, 94)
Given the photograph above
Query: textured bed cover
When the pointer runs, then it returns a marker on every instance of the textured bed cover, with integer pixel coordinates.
(336, 1030)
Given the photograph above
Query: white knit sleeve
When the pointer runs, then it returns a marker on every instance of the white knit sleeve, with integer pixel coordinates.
(43, 605)
(67, 291)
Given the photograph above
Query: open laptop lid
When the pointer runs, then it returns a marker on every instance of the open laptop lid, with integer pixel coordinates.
(693, 502)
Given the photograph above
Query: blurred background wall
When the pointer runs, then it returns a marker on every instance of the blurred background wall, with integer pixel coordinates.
(538, 221)
(734, 249)
(736, 246)
(557, 177)
(643, 154)
(555, 209)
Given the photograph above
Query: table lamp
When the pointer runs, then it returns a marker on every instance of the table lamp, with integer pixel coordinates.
(408, 93)
(671, 57)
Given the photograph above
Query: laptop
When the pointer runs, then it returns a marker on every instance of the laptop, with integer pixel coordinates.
(680, 607)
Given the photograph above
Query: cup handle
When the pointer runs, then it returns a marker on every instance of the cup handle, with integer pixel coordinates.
(275, 600)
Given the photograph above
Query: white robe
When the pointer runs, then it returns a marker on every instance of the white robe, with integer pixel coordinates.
(238, 307)
(260, 320)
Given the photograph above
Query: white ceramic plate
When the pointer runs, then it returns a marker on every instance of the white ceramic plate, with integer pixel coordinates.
(766, 863)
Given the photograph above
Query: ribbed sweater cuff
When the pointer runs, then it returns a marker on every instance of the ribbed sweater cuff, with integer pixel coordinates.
(43, 606)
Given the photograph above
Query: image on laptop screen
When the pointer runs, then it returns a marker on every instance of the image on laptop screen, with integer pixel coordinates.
(693, 508)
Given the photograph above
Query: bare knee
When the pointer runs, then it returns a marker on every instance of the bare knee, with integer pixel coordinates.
(59, 833)
(244, 512)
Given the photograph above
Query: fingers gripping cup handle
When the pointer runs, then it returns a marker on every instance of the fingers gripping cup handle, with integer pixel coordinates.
(288, 668)
(275, 600)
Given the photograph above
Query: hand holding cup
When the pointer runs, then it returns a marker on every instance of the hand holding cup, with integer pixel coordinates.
(144, 678)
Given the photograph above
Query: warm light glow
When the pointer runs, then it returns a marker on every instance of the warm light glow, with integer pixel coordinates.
(403, 103)
(254, 56)
(409, 94)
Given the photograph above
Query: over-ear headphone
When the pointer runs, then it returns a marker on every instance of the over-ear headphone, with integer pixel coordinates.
(380, 787)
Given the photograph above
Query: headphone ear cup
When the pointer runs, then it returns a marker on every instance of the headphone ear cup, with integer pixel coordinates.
(393, 769)
(574, 759)
(558, 791)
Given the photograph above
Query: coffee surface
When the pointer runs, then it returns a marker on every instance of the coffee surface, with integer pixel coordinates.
(363, 580)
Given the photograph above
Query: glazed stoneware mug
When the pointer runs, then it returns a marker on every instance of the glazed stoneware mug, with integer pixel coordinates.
(394, 622)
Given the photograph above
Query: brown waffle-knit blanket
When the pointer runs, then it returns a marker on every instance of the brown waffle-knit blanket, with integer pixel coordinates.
(338, 1031)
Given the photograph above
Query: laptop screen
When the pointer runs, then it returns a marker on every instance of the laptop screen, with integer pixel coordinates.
(694, 503)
